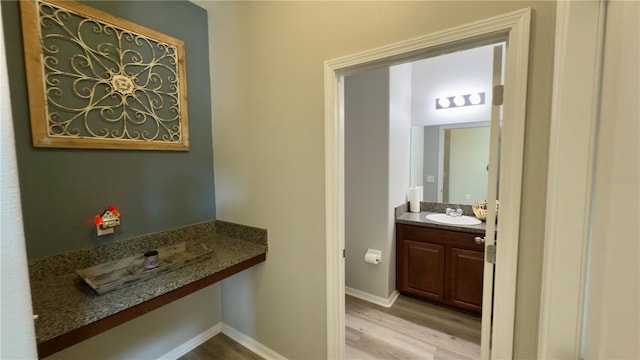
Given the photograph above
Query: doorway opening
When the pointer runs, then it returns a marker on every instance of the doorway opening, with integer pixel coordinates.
(396, 136)
(512, 28)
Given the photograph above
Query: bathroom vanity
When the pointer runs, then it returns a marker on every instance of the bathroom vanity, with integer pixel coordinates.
(439, 263)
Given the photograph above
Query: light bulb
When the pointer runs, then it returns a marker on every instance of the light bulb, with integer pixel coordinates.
(475, 99)
(458, 100)
(444, 102)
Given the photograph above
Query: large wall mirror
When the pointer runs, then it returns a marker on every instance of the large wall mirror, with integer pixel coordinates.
(450, 134)
(450, 161)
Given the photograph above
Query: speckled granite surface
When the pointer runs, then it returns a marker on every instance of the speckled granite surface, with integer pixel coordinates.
(403, 216)
(64, 302)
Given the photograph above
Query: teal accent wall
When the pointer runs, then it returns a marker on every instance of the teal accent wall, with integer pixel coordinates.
(63, 189)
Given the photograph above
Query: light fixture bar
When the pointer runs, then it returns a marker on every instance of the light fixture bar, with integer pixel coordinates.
(460, 101)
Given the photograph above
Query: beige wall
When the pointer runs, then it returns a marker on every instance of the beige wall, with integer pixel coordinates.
(613, 316)
(267, 70)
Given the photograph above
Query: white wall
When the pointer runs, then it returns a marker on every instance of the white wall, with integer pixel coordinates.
(417, 155)
(431, 162)
(613, 300)
(17, 336)
(268, 110)
(459, 73)
(367, 181)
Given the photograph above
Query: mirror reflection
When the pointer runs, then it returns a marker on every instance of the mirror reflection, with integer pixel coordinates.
(450, 118)
(450, 161)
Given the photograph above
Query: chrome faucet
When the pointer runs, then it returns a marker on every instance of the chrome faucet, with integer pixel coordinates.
(454, 212)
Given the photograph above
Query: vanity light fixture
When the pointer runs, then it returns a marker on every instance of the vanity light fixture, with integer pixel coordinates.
(460, 101)
(444, 102)
(475, 99)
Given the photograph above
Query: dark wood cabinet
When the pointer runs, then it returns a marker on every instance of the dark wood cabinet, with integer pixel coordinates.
(466, 268)
(424, 270)
(440, 265)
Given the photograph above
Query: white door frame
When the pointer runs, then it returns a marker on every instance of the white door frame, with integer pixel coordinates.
(576, 99)
(513, 27)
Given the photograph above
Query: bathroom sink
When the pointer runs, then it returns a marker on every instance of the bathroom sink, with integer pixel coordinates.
(453, 220)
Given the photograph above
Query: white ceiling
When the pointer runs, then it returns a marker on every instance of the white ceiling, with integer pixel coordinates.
(460, 73)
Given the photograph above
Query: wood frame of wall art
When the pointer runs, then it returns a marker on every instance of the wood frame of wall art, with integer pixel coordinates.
(97, 81)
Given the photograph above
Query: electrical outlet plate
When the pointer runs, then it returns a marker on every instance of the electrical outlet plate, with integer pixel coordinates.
(104, 231)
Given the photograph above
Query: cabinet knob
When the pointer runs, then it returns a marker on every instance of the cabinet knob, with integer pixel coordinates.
(479, 240)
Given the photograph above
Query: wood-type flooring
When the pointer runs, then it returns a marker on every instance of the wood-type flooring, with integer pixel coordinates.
(410, 329)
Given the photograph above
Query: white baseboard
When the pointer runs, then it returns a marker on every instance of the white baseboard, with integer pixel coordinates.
(386, 302)
(220, 327)
(193, 342)
(251, 344)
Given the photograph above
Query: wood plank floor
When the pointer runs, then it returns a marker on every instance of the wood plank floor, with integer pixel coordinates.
(410, 329)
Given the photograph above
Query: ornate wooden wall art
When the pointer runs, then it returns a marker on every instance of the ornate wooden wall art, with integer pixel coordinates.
(99, 81)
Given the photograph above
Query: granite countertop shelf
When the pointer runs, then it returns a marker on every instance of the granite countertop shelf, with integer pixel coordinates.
(403, 216)
(70, 311)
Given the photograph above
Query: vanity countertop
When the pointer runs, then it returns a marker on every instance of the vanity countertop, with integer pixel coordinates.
(69, 311)
(420, 219)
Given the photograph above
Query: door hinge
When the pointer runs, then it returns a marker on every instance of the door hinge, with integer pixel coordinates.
(344, 253)
(491, 254)
(498, 95)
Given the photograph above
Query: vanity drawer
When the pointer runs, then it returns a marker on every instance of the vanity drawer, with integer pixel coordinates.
(439, 236)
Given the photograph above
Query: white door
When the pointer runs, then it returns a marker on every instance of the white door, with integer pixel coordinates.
(492, 196)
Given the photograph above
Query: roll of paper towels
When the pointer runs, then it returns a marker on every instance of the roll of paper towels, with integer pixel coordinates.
(373, 256)
(414, 199)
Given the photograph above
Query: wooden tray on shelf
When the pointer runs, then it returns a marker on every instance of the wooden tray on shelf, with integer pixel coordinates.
(117, 274)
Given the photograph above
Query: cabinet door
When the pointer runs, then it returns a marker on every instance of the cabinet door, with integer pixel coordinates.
(423, 270)
(466, 274)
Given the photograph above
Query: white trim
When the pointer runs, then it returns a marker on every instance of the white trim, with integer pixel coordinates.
(468, 125)
(223, 328)
(577, 68)
(251, 344)
(510, 180)
(378, 300)
(334, 211)
(514, 27)
(194, 342)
